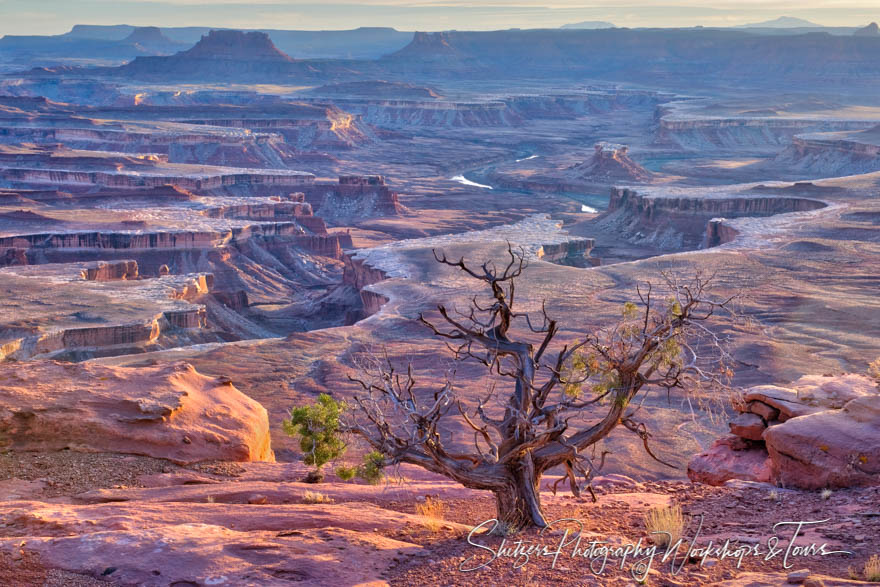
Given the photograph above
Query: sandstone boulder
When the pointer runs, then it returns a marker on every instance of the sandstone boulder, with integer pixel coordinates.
(812, 393)
(786, 401)
(723, 461)
(822, 431)
(769, 413)
(749, 426)
(169, 411)
(834, 448)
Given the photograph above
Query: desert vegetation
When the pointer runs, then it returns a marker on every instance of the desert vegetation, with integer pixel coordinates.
(660, 342)
(665, 525)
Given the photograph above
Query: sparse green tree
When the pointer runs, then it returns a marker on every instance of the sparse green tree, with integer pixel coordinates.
(317, 426)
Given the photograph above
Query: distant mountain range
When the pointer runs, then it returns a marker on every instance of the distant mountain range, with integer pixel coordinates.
(136, 41)
(783, 22)
(361, 43)
(872, 30)
(724, 57)
(589, 24)
(227, 55)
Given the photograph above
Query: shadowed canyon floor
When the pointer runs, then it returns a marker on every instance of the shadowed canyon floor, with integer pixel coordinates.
(195, 242)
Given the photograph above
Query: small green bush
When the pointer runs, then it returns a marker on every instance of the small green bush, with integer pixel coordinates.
(317, 426)
(346, 473)
(371, 470)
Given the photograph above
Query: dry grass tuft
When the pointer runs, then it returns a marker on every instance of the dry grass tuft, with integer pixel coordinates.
(433, 510)
(872, 569)
(668, 522)
(316, 497)
(826, 493)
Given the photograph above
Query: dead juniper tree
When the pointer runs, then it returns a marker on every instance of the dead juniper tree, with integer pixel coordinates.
(556, 403)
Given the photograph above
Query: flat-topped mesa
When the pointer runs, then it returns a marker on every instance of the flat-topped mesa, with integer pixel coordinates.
(354, 197)
(652, 208)
(230, 55)
(125, 269)
(235, 45)
(408, 113)
(361, 180)
(571, 252)
(299, 211)
(281, 210)
(359, 274)
(832, 153)
(30, 249)
(678, 222)
(759, 133)
(163, 312)
(150, 38)
(610, 162)
(428, 47)
(138, 181)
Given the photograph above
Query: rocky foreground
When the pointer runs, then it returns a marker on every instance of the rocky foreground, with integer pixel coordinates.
(257, 524)
(162, 476)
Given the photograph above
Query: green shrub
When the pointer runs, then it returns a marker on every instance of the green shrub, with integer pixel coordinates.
(371, 470)
(317, 426)
(346, 473)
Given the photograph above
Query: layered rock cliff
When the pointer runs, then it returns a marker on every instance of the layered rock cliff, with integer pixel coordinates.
(832, 154)
(354, 198)
(689, 222)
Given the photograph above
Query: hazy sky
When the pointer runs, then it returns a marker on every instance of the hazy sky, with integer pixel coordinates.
(57, 16)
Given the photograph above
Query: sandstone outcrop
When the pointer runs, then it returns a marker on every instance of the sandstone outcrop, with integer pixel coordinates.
(104, 271)
(832, 448)
(610, 162)
(820, 432)
(354, 197)
(170, 412)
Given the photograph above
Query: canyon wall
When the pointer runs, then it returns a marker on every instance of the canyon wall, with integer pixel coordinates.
(702, 133)
(134, 180)
(411, 113)
(830, 154)
(358, 274)
(689, 222)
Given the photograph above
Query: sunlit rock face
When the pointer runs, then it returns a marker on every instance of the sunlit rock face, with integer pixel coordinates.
(820, 432)
(170, 412)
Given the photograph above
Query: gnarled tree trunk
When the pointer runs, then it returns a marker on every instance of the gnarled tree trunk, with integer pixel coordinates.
(518, 503)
